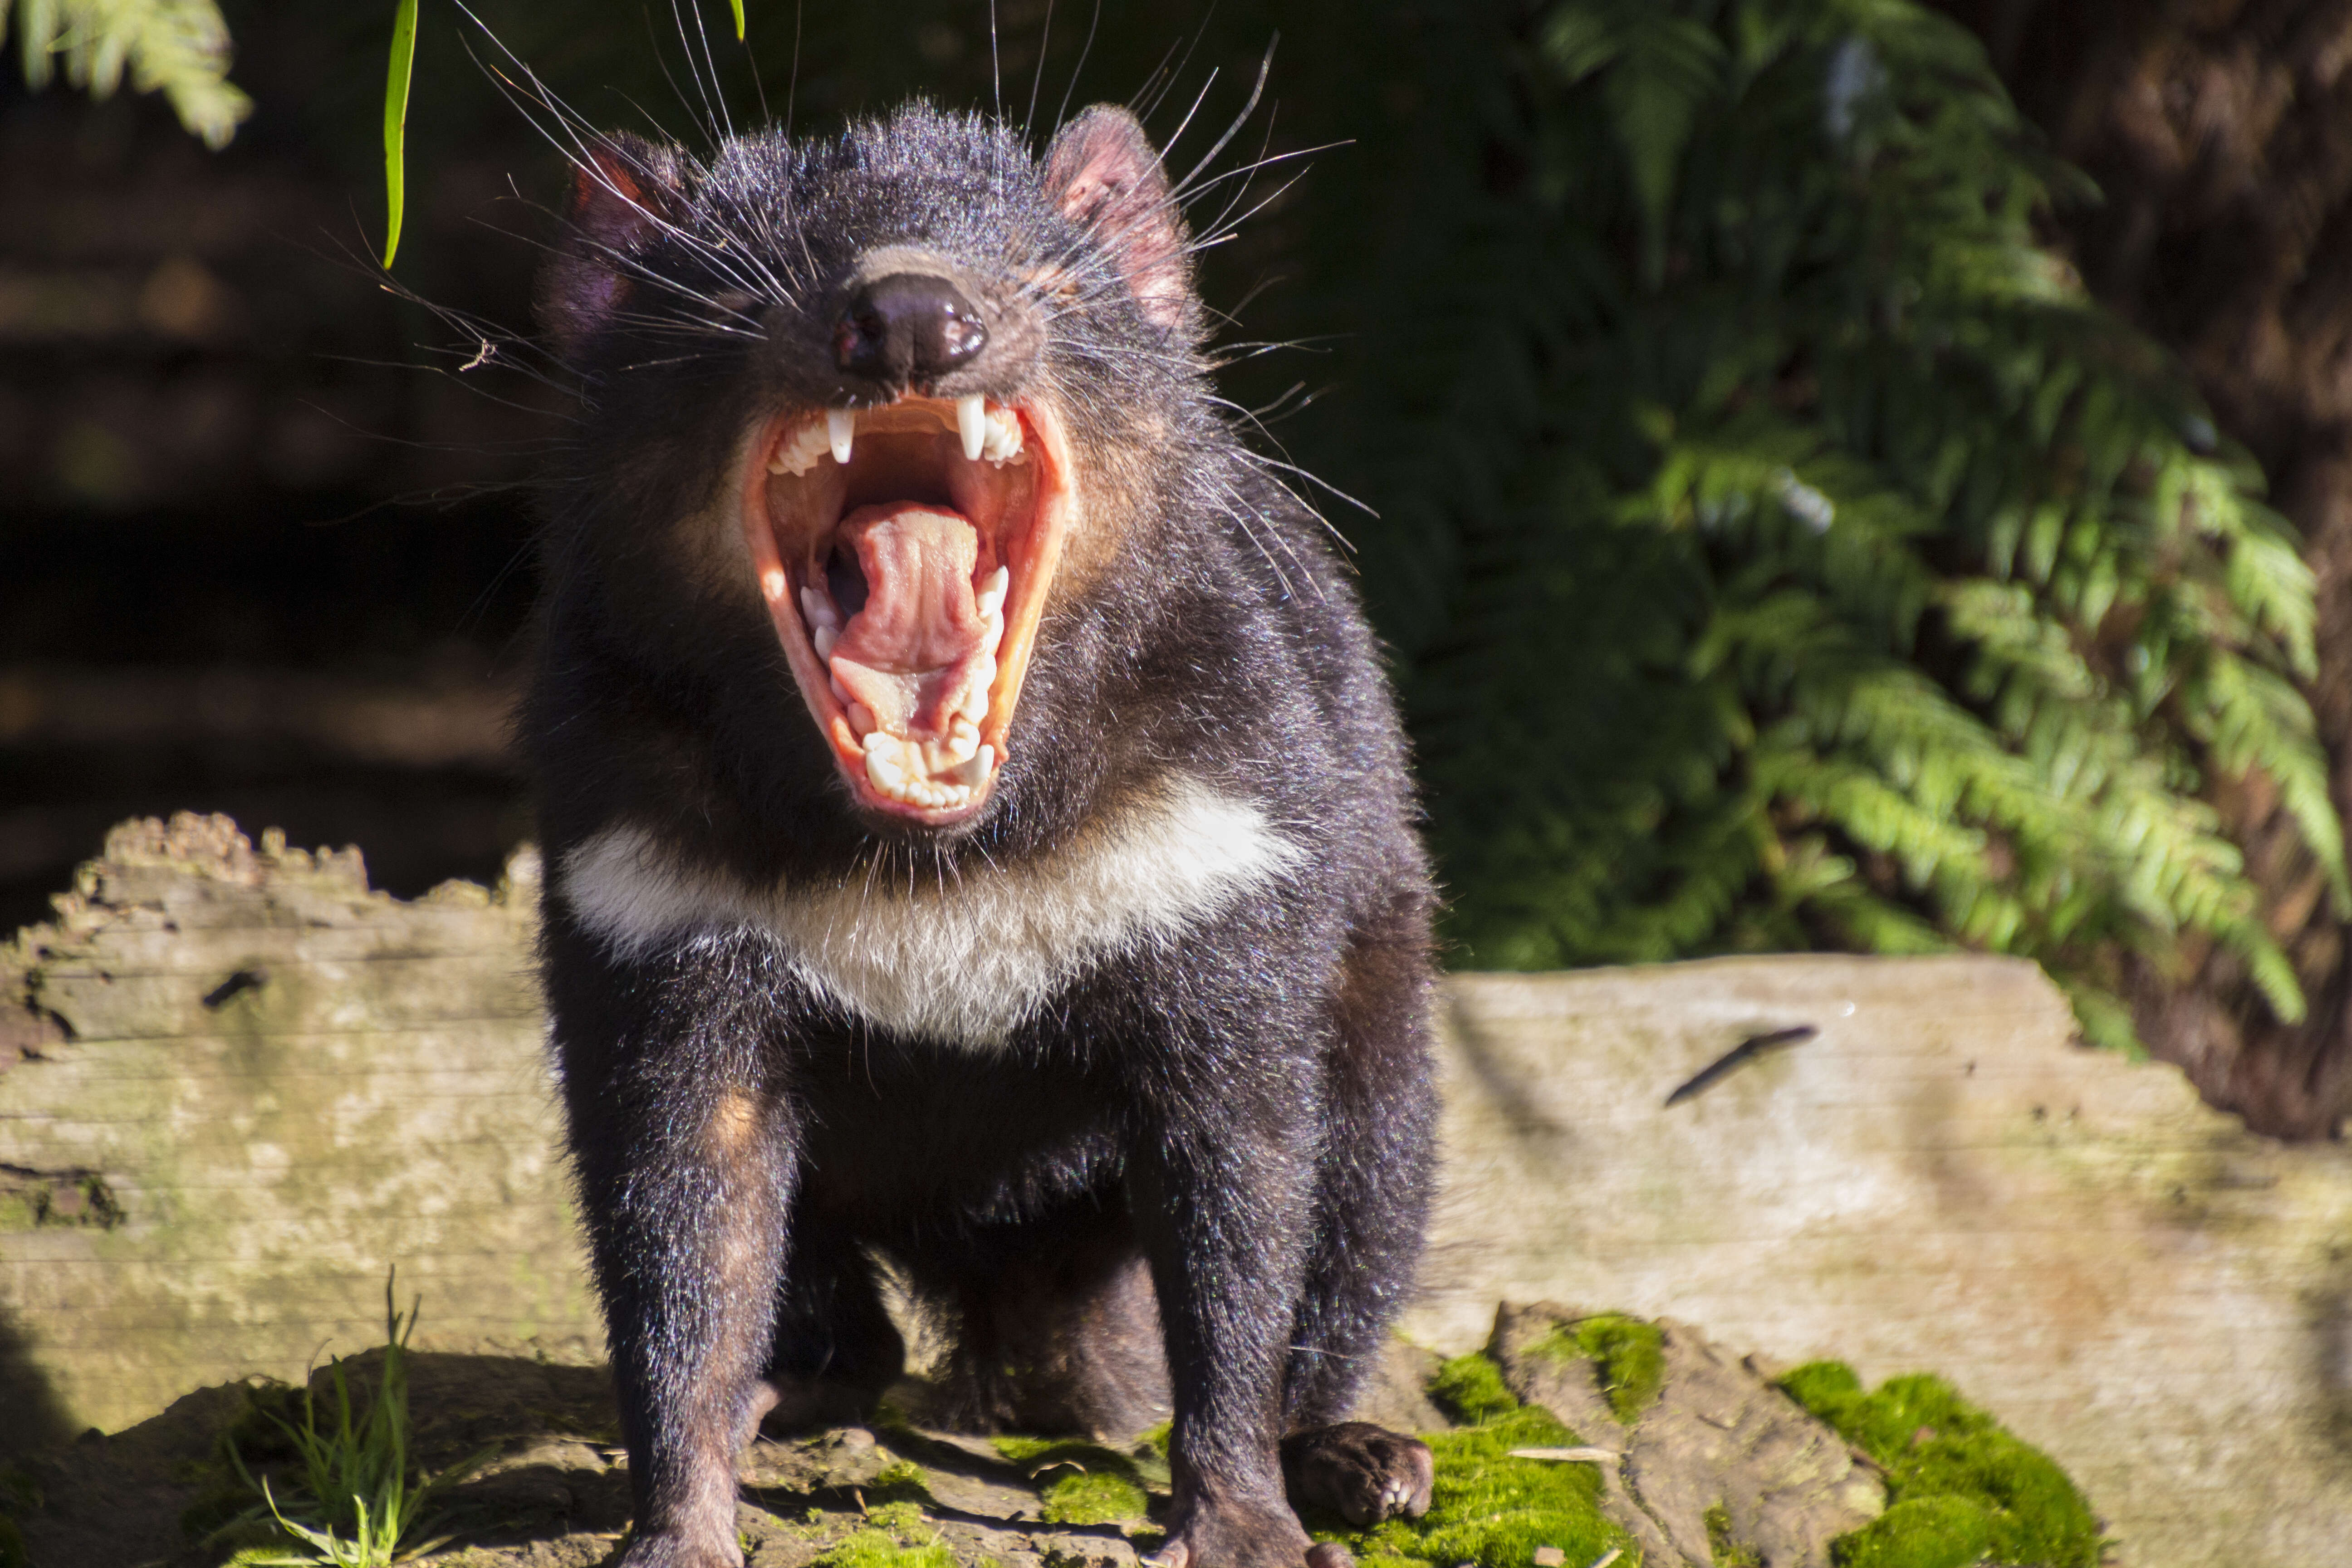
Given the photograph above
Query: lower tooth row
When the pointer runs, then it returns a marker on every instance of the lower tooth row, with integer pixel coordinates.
(886, 770)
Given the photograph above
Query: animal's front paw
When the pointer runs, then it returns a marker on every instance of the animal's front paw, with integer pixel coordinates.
(669, 1549)
(1232, 1536)
(1362, 1472)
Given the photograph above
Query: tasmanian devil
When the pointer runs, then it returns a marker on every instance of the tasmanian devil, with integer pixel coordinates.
(982, 846)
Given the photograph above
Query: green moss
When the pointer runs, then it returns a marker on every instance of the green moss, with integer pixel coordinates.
(1937, 1448)
(1036, 1454)
(1726, 1549)
(907, 1521)
(1470, 1389)
(1488, 1508)
(1628, 1355)
(893, 1535)
(880, 1549)
(1924, 1532)
(1023, 1450)
(901, 1483)
(1093, 1497)
(1153, 1440)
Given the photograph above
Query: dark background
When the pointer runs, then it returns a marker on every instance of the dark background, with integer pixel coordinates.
(264, 544)
(263, 549)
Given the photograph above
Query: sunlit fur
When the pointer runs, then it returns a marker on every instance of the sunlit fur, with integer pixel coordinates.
(960, 963)
(1125, 1076)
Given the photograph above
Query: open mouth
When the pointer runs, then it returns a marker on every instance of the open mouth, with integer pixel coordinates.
(905, 553)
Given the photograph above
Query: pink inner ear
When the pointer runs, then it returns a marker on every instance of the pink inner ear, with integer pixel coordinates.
(620, 196)
(1108, 179)
(609, 201)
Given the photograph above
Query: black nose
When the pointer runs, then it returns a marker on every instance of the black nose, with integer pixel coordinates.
(906, 328)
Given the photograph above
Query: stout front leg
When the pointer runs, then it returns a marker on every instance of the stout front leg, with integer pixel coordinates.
(1221, 1194)
(683, 1154)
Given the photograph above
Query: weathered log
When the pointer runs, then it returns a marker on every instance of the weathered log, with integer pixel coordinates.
(236, 1087)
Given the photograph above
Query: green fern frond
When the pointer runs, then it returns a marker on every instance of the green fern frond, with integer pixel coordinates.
(1827, 568)
(177, 47)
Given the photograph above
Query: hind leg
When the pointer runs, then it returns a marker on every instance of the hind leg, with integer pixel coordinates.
(1372, 1198)
(836, 1350)
(1058, 1330)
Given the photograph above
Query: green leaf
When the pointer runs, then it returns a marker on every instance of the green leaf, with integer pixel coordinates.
(177, 47)
(395, 124)
(739, 20)
(1816, 565)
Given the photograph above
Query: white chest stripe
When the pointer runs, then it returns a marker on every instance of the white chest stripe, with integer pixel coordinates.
(968, 963)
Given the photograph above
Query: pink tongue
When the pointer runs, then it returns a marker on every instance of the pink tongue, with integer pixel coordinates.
(916, 649)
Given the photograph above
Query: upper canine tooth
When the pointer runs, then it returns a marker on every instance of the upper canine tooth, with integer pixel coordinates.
(818, 609)
(823, 638)
(841, 429)
(971, 423)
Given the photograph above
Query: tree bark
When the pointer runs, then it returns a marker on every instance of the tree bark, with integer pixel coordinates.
(2221, 133)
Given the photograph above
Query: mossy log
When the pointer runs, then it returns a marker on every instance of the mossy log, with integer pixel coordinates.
(1940, 1179)
(236, 1087)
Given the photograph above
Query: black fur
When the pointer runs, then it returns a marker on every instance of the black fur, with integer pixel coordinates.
(1221, 1144)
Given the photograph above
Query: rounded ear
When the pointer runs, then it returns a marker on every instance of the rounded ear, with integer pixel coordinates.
(1106, 176)
(625, 192)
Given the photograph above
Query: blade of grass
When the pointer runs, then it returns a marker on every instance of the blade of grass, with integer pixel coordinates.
(395, 124)
(739, 20)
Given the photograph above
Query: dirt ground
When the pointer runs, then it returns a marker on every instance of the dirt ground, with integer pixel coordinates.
(556, 1493)
(1715, 1447)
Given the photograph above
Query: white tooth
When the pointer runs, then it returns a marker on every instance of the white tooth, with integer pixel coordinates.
(975, 702)
(991, 598)
(819, 609)
(883, 771)
(798, 453)
(841, 693)
(825, 637)
(971, 423)
(974, 773)
(840, 429)
(1004, 441)
(861, 721)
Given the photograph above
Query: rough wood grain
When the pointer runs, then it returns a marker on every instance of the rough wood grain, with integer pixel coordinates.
(1938, 1181)
(242, 1087)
